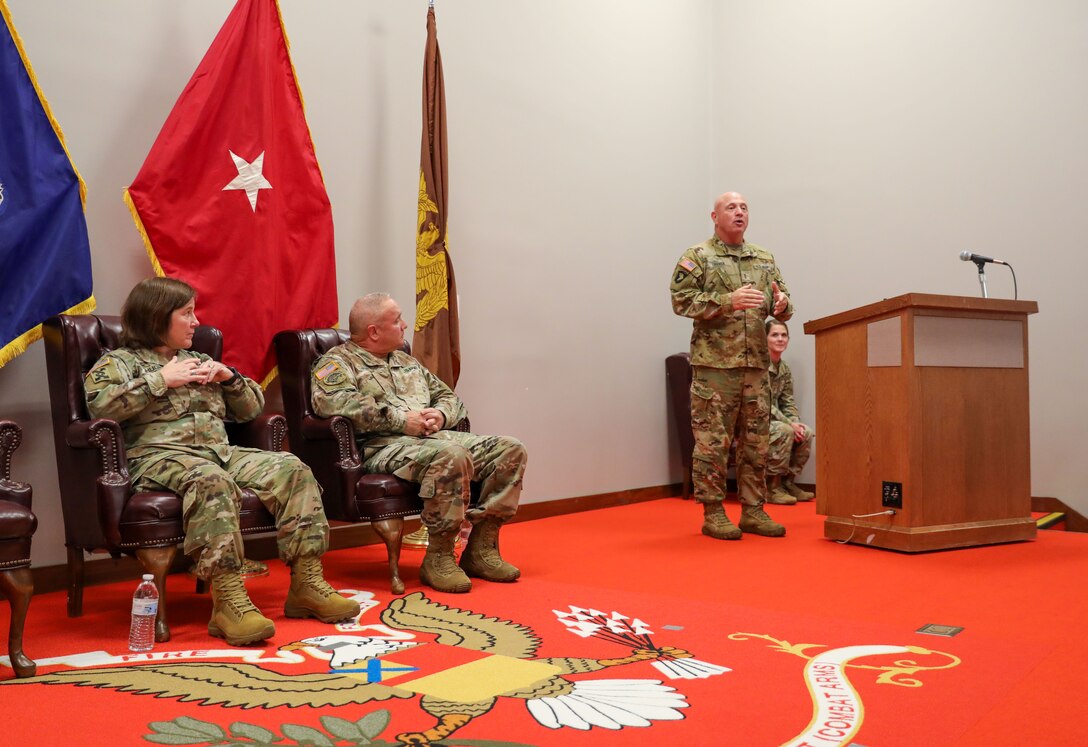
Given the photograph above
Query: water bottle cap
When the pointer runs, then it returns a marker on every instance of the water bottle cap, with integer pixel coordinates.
(148, 577)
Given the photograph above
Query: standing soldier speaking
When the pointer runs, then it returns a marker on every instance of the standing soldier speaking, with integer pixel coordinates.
(729, 286)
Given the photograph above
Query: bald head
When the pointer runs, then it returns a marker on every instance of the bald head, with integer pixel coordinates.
(375, 324)
(730, 216)
(366, 311)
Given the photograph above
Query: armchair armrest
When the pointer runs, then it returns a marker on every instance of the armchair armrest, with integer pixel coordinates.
(267, 431)
(316, 428)
(11, 490)
(16, 492)
(11, 435)
(105, 436)
(113, 481)
(338, 429)
(330, 444)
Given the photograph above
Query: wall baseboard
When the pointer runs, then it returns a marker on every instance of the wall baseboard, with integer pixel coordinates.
(102, 569)
(107, 569)
(1074, 521)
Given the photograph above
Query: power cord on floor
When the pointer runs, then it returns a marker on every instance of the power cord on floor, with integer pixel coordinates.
(854, 523)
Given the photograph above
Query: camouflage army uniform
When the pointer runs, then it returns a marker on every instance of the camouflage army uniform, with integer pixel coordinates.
(785, 456)
(729, 359)
(175, 441)
(377, 393)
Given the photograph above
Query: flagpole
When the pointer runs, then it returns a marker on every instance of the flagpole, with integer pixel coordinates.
(436, 339)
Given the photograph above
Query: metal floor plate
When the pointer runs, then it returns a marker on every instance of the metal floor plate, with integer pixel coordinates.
(943, 630)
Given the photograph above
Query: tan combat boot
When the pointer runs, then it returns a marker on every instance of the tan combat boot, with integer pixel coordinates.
(776, 493)
(481, 558)
(311, 596)
(796, 491)
(754, 520)
(716, 524)
(233, 616)
(439, 569)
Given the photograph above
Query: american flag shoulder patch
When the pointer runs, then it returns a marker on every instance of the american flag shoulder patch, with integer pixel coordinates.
(325, 370)
(686, 264)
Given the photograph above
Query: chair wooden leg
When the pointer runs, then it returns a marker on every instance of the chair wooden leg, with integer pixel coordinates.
(75, 581)
(18, 587)
(157, 561)
(687, 488)
(392, 532)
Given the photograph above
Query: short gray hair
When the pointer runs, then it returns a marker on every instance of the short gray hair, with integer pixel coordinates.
(366, 311)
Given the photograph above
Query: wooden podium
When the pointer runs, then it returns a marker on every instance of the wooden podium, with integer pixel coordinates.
(931, 393)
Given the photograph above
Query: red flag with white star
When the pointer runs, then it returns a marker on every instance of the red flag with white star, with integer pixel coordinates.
(231, 199)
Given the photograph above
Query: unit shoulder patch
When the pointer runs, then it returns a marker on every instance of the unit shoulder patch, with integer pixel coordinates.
(102, 371)
(331, 375)
(327, 370)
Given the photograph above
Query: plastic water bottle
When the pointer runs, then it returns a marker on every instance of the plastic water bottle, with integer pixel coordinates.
(145, 607)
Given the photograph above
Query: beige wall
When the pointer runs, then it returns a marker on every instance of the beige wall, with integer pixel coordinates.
(588, 138)
(878, 140)
(578, 134)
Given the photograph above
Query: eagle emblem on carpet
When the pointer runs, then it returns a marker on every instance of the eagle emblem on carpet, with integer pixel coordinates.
(472, 661)
(459, 664)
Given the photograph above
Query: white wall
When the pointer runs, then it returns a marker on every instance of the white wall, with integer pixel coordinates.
(876, 141)
(588, 138)
(578, 135)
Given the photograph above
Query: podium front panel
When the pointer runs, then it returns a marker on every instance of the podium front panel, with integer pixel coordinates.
(968, 343)
(945, 415)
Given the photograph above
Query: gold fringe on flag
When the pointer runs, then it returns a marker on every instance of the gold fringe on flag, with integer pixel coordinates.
(9, 352)
(143, 234)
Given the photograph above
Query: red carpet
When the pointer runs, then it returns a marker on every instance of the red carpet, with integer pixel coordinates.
(797, 640)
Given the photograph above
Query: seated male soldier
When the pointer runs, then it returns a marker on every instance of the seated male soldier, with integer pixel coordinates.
(403, 415)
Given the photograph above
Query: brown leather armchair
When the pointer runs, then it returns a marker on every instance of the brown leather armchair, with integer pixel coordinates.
(17, 525)
(328, 446)
(678, 378)
(101, 511)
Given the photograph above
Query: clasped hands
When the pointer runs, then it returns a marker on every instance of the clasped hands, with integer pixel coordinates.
(424, 422)
(194, 371)
(747, 297)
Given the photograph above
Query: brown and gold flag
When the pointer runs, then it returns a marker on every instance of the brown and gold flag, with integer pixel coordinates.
(436, 341)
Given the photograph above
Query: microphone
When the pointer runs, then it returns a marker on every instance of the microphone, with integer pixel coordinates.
(980, 259)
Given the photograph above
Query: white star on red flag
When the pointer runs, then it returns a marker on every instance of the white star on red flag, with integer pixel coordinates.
(250, 177)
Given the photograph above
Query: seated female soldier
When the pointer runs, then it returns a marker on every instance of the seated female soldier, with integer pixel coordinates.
(171, 404)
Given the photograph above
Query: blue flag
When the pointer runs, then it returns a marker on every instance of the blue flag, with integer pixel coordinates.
(45, 256)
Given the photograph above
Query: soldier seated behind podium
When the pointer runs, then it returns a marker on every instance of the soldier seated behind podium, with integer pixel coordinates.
(403, 416)
(790, 439)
